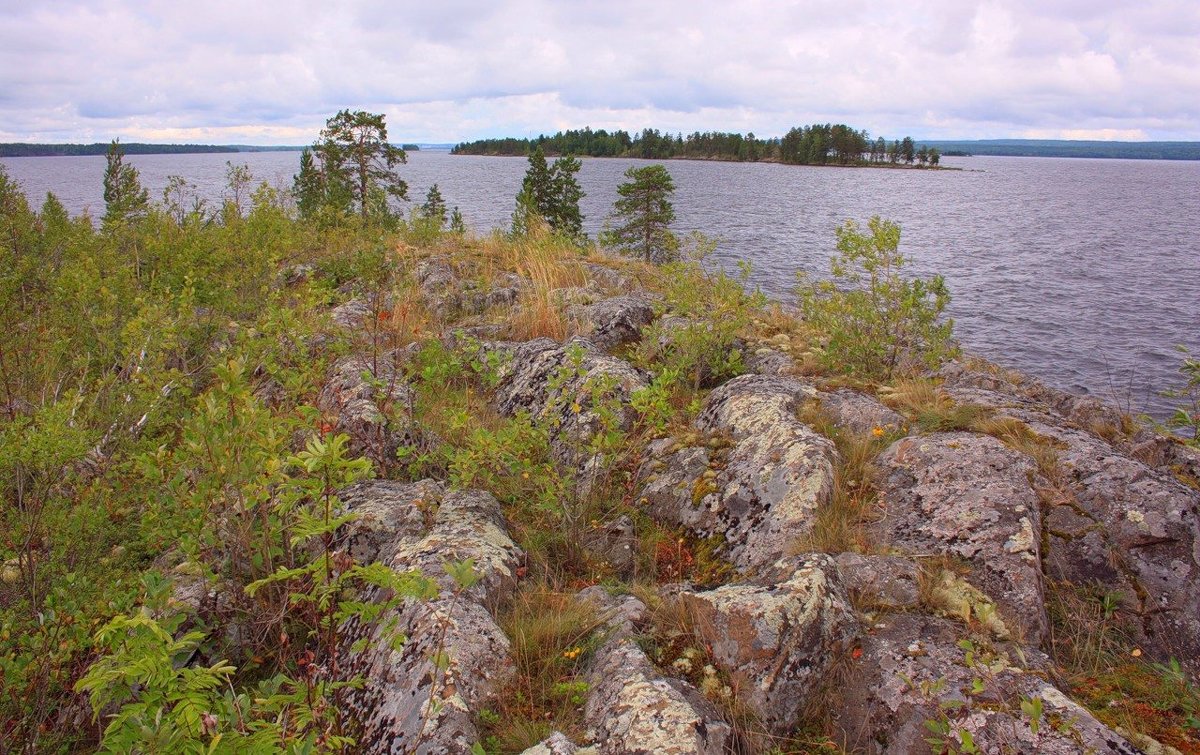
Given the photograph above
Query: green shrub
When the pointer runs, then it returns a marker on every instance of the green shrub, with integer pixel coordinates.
(876, 321)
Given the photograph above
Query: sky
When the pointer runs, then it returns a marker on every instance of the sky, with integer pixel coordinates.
(272, 71)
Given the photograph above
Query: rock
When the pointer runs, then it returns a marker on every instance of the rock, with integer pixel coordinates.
(777, 641)
(386, 513)
(366, 412)
(1130, 530)
(880, 582)
(556, 384)
(394, 703)
(672, 333)
(606, 277)
(615, 542)
(419, 527)
(766, 361)
(612, 322)
(1115, 522)
(297, 274)
(635, 709)
(771, 480)
(859, 412)
(555, 744)
(912, 671)
(352, 314)
(969, 496)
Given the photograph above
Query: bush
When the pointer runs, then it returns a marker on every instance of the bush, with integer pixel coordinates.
(874, 320)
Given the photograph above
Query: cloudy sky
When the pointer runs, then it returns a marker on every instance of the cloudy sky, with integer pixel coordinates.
(272, 71)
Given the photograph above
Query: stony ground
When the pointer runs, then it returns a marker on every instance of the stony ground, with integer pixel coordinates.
(934, 628)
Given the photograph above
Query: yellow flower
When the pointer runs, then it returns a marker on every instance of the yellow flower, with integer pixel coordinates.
(877, 431)
(576, 408)
(1136, 653)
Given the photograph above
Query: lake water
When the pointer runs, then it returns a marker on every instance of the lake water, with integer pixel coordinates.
(1085, 273)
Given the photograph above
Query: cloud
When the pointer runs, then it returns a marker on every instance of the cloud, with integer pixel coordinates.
(235, 71)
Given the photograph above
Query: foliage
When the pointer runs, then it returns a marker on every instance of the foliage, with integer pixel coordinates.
(551, 193)
(645, 215)
(876, 321)
(1187, 414)
(434, 208)
(124, 198)
(352, 168)
(699, 344)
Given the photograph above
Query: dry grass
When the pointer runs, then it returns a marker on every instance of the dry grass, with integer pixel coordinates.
(930, 408)
(840, 525)
(553, 636)
(547, 264)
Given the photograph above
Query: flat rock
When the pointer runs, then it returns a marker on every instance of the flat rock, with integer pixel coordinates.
(912, 671)
(969, 496)
(880, 582)
(777, 640)
(859, 412)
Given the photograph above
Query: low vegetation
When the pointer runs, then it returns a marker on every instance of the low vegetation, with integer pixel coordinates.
(161, 448)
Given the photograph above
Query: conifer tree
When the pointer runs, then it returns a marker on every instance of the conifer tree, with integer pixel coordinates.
(645, 214)
(552, 193)
(434, 207)
(124, 197)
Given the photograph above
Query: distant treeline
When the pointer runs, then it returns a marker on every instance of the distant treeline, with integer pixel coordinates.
(818, 144)
(1063, 148)
(132, 148)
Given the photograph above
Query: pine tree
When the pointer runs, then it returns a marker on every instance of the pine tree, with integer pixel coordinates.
(456, 222)
(357, 166)
(645, 213)
(124, 197)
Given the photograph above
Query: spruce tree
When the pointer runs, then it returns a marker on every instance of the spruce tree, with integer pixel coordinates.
(434, 207)
(552, 193)
(124, 197)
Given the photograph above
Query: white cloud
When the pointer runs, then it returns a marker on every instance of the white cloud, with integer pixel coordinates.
(272, 70)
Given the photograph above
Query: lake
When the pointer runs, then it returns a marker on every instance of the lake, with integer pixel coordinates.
(1084, 273)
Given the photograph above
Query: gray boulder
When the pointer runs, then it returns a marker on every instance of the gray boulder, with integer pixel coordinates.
(368, 412)
(633, 708)
(613, 322)
(1120, 520)
(778, 637)
(970, 496)
(556, 384)
(767, 486)
(409, 701)
(913, 677)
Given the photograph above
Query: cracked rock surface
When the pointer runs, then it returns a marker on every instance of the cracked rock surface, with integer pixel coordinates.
(771, 480)
(914, 671)
(633, 708)
(778, 637)
(407, 697)
(969, 496)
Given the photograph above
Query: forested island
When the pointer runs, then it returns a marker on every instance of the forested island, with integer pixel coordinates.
(816, 144)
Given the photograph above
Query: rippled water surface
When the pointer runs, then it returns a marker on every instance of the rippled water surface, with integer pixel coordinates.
(1082, 272)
